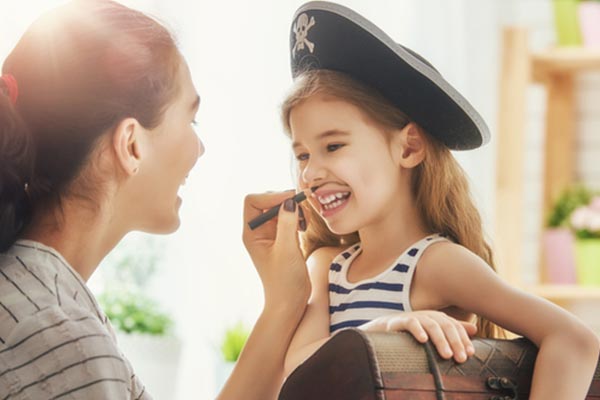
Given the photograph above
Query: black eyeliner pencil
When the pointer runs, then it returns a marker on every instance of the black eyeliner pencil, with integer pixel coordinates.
(273, 211)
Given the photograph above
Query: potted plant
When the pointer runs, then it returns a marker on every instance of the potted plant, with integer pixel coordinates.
(589, 20)
(586, 224)
(566, 22)
(231, 346)
(144, 330)
(558, 240)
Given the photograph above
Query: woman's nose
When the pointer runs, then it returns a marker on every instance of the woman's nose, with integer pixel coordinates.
(201, 148)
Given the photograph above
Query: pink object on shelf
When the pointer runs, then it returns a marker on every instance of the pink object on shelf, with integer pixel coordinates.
(559, 252)
(589, 21)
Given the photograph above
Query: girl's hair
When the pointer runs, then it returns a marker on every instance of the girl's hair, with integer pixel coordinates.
(80, 70)
(439, 185)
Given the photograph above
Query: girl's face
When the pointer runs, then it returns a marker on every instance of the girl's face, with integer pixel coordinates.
(172, 150)
(350, 158)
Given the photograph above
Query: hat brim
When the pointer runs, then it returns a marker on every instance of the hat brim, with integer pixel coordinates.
(339, 39)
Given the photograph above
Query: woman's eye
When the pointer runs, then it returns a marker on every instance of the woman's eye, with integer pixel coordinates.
(302, 157)
(334, 147)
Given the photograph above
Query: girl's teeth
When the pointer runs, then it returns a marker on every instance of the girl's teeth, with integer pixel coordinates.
(332, 205)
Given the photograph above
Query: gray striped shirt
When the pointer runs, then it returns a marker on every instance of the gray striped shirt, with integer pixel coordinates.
(55, 341)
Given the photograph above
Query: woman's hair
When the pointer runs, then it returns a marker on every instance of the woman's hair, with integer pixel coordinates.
(439, 185)
(80, 70)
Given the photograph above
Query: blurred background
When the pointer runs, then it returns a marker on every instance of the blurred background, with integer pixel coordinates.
(532, 69)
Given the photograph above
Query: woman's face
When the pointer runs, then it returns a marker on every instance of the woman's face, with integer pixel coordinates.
(341, 150)
(171, 150)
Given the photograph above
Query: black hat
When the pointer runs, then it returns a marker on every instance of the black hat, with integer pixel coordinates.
(329, 36)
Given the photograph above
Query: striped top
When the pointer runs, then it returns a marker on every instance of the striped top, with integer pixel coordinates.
(55, 342)
(353, 304)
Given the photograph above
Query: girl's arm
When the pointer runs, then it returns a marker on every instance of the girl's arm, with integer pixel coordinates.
(275, 252)
(568, 350)
(450, 336)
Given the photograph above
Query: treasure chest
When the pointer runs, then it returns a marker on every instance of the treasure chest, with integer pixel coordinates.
(358, 365)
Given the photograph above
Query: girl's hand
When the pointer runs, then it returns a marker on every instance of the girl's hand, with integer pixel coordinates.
(275, 250)
(451, 337)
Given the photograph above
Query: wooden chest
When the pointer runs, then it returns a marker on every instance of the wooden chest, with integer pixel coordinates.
(357, 365)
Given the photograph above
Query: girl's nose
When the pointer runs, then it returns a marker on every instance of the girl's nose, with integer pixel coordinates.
(313, 172)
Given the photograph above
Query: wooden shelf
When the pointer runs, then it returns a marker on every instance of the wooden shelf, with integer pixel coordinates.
(565, 60)
(556, 69)
(565, 292)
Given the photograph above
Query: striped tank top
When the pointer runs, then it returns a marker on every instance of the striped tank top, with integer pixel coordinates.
(353, 304)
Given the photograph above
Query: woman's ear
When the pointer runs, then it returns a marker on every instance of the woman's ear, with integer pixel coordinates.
(408, 146)
(127, 145)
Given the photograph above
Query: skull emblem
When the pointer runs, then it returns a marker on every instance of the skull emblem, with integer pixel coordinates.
(300, 28)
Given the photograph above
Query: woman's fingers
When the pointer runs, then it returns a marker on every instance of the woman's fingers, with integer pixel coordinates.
(287, 223)
(255, 205)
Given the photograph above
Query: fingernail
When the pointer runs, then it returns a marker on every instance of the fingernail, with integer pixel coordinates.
(289, 205)
(462, 355)
(302, 220)
(302, 225)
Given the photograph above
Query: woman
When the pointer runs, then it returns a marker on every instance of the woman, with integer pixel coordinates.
(96, 114)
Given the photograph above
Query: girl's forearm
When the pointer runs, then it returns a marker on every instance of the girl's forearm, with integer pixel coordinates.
(258, 373)
(565, 365)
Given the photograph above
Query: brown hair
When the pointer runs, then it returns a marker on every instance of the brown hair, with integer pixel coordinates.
(80, 70)
(439, 185)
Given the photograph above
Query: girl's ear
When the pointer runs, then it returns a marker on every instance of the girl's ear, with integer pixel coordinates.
(127, 146)
(408, 146)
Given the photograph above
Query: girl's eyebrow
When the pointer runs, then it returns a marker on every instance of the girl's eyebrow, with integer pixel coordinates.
(324, 135)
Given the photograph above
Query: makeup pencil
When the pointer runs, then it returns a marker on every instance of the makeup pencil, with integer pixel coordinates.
(273, 211)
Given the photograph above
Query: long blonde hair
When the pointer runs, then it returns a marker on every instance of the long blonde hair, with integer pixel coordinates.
(439, 185)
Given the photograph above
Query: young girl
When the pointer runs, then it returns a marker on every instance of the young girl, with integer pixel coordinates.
(394, 231)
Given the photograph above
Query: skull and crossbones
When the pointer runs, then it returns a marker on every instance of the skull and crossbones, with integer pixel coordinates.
(301, 28)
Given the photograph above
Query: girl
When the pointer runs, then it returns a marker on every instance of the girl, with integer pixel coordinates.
(394, 231)
(96, 112)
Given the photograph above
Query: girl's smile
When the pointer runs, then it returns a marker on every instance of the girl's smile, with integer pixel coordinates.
(330, 201)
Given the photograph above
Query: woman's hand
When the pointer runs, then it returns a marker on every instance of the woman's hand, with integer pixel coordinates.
(451, 337)
(275, 250)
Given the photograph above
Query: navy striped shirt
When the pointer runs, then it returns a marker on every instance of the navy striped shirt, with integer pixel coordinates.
(354, 304)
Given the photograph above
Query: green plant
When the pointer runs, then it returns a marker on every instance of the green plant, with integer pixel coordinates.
(233, 342)
(131, 312)
(568, 201)
(128, 272)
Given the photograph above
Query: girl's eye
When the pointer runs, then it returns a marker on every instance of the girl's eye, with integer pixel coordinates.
(302, 157)
(334, 147)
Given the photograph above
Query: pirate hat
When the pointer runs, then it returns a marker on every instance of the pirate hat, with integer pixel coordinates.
(329, 36)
